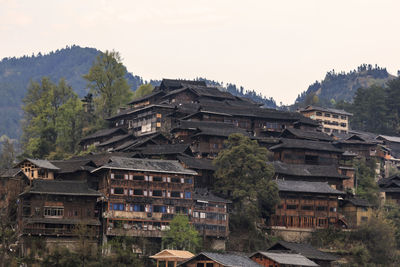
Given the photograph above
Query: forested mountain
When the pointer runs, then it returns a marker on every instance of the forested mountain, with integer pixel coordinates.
(69, 63)
(342, 86)
(16, 73)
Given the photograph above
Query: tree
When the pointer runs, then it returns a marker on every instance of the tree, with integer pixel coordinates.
(51, 119)
(143, 90)
(181, 234)
(106, 80)
(365, 177)
(7, 156)
(244, 177)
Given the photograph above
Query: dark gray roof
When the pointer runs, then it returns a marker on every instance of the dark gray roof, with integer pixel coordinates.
(307, 170)
(100, 159)
(103, 133)
(73, 165)
(306, 187)
(304, 249)
(197, 164)
(168, 84)
(148, 165)
(309, 135)
(152, 94)
(61, 187)
(332, 110)
(41, 163)
(117, 138)
(165, 149)
(395, 139)
(204, 194)
(391, 184)
(288, 259)
(306, 144)
(8, 173)
(225, 259)
(132, 145)
(358, 202)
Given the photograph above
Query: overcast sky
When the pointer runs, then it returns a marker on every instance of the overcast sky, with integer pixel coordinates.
(277, 48)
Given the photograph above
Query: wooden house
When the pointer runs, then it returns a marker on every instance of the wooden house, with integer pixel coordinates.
(356, 144)
(306, 205)
(356, 211)
(168, 151)
(12, 183)
(100, 136)
(211, 217)
(298, 151)
(204, 168)
(390, 188)
(391, 142)
(321, 258)
(37, 169)
(310, 173)
(52, 209)
(281, 259)
(142, 195)
(293, 133)
(169, 257)
(213, 259)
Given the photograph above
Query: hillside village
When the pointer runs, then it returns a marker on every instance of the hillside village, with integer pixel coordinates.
(156, 160)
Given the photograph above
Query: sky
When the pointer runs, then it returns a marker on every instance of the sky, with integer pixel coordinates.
(277, 48)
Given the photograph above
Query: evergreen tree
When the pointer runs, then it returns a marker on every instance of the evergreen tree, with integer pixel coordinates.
(7, 156)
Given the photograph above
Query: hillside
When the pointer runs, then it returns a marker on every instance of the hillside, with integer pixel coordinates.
(15, 74)
(336, 87)
(69, 63)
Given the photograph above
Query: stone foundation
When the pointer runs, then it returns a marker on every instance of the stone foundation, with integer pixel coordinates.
(298, 235)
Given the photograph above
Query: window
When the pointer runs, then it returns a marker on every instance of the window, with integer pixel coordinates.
(116, 206)
(343, 124)
(118, 191)
(188, 194)
(307, 207)
(335, 116)
(200, 264)
(118, 176)
(318, 113)
(175, 194)
(175, 180)
(157, 179)
(138, 192)
(332, 209)
(210, 264)
(364, 219)
(53, 211)
(327, 115)
(327, 130)
(138, 177)
(188, 181)
(160, 209)
(321, 208)
(291, 207)
(138, 207)
(157, 193)
(343, 117)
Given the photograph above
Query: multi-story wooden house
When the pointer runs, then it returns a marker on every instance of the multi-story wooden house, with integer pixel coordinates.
(306, 205)
(142, 195)
(299, 151)
(332, 120)
(37, 169)
(310, 173)
(53, 209)
(356, 211)
(390, 188)
(12, 183)
(100, 137)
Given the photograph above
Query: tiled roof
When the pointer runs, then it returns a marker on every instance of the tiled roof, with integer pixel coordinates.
(359, 202)
(117, 138)
(225, 259)
(204, 194)
(395, 139)
(61, 187)
(331, 110)
(154, 93)
(103, 133)
(69, 166)
(8, 173)
(288, 259)
(306, 144)
(307, 170)
(306, 187)
(170, 253)
(148, 165)
(100, 159)
(41, 163)
(165, 149)
(309, 135)
(304, 249)
(197, 164)
(174, 83)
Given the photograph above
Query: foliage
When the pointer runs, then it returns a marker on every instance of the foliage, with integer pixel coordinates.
(122, 254)
(106, 80)
(61, 257)
(181, 234)
(52, 121)
(372, 244)
(365, 179)
(143, 90)
(393, 216)
(342, 86)
(244, 177)
(70, 63)
(7, 156)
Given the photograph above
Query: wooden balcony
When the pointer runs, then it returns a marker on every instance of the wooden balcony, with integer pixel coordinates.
(135, 233)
